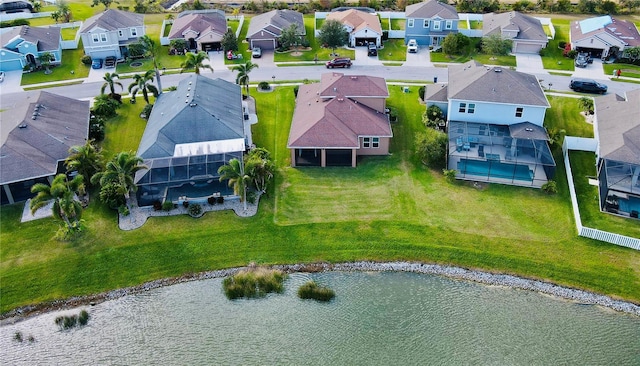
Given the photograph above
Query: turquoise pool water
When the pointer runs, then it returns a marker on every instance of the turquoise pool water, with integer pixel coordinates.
(494, 169)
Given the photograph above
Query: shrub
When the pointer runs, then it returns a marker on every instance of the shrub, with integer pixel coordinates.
(194, 210)
(68, 322)
(311, 290)
(167, 206)
(433, 116)
(431, 147)
(421, 92)
(251, 197)
(295, 90)
(263, 85)
(96, 129)
(211, 200)
(146, 111)
(17, 336)
(550, 187)
(124, 210)
(562, 44)
(157, 205)
(83, 318)
(254, 282)
(449, 175)
(86, 59)
(111, 196)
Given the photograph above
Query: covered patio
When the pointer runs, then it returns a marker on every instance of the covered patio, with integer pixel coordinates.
(515, 154)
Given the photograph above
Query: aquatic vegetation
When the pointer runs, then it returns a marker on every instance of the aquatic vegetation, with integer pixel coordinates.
(311, 290)
(254, 282)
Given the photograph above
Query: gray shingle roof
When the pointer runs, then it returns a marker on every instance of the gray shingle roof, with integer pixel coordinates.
(476, 82)
(113, 19)
(528, 27)
(430, 9)
(619, 127)
(200, 22)
(201, 109)
(46, 38)
(275, 21)
(35, 149)
(528, 131)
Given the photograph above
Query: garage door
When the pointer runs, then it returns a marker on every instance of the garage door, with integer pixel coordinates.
(265, 44)
(103, 54)
(10, 65)
(526, 48)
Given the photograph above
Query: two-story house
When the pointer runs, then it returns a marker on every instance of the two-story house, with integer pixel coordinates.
(190, 134)
(339, 119)
(617, 132)
(110, 32)
(429, 22)
(202, 29)
(495, 125)
(526, 32)
(363, 27)
(603, 36)
(21, 46)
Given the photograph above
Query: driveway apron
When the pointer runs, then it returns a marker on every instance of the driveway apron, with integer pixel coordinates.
(11, 83)
(529, 63)
(362, 58)
(592, 71)
(420, 58)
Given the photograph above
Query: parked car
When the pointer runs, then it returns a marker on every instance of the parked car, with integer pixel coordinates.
(96, 63)
(1, 76)
(110, 62)
(339, 62)
(582, 60)
(588, 86)
(412, 46)
(256, 52)
(373, 49)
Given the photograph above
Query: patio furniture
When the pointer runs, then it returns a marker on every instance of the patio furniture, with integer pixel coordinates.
(481, 151)
(495, 157)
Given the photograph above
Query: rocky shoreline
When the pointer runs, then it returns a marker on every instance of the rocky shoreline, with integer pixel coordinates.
(580, 296)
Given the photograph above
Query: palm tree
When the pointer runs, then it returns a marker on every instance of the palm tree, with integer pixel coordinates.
(86, 160)
(259, 168)
(194, 61)
(142, 82)
(234, 172)
(120, 171)
(45, 60)
(150, 46)
(110, 81)
(62, 191)
(243, 73)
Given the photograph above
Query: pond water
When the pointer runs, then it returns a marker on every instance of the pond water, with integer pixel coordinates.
(378, 318)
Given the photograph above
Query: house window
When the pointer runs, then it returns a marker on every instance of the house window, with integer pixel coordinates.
(375, 142)
(103, 37)
(472, 108)
(436, 25)
(410, 23)
(426, 23)
(519, 111)
(95, 37)
(449, 24)
(463, 107)
(120, 33)
(366, 142)
(134, 32)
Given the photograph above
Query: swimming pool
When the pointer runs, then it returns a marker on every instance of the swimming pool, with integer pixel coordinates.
(494, 169)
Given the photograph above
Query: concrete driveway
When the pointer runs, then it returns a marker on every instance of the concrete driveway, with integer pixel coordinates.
(96, 75)
(592, 71)
(529, 63)
(420, 58)
(363, 59)
(11, 83)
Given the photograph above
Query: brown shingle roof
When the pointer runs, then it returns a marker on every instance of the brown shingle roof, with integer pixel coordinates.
(618, 122)
(333, 84)
(357, 20)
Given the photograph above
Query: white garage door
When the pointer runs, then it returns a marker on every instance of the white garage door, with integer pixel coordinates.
(526, 48)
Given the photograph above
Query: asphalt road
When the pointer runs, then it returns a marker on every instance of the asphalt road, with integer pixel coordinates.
(298, 73)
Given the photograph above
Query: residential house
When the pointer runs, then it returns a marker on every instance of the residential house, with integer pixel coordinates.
(525, 31)
(37, 134)
(265, 29)
(429, 22)
(363, 27)
(617, 131)
(202, 29)
(190, 134)
(495, 125)
(110, 32)
(604, 36)
(22, 45)
(339, 119)
(15, 6)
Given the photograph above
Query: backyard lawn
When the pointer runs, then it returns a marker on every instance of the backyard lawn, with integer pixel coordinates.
(552, 58)
(70, 68)
(388, 208)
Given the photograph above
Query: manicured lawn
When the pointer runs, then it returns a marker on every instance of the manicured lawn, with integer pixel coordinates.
(475, 24)
(243, 45)
(472, 53)
(628, 70)
(69, 34)
(71, 68)
(389, 208)
(398, 24)
(565, 114)
(552, 58)
(126, 129)
(394, 50)
(384, 23)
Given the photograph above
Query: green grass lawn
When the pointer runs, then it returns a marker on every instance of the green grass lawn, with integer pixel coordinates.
(69, 34)
(628, 70)
(398, 24)
(70, 68)
(565, 114)
(384, 23)
(243, 45)
(126, 129)
(552, 58)
(394, 50)
(388, 208)
(471, 52)
(475, 24)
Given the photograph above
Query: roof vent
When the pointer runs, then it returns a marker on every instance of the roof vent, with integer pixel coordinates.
(528, 129)
(497, 69)
(193, 105)
(33, 117)
(335, 89)
(354, 78)
(186, 101)
(23, 125)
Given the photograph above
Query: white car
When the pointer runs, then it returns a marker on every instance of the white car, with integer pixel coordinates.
(1, 76)
(412, 46)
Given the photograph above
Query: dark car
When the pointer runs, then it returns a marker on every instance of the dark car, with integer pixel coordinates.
(339, 62)
(110, 62)
(373, 50)
(582, 60)
(588, 86)
(96, 63)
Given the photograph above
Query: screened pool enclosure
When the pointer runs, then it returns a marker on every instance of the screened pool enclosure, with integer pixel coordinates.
(620, 187)
(515, 154)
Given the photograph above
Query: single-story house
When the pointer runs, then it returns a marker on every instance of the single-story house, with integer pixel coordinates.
(495, 125)
(617, 131)
(429, 22)
(37, 134)
(363, 27)
(265, 29)
(525, 31)
(190, 134)
(339, 119)
(22, 45)
(110, 32)
(202, 29)
(603, 36)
